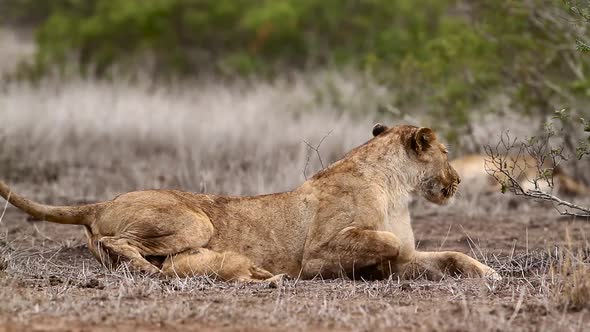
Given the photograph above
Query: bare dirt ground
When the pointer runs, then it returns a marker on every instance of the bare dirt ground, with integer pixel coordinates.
(50, 282)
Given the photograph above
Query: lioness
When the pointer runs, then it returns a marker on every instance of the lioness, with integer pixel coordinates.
(472, 169)
(350, 216)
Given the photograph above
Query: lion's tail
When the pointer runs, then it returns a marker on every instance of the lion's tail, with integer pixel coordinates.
(76, 215)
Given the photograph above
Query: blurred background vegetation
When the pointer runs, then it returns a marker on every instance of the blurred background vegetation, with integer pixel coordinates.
(448, 56)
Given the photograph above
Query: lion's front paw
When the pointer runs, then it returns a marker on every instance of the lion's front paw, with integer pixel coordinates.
(258, 273)
(492, 275)
(480, 270)
(277, 280)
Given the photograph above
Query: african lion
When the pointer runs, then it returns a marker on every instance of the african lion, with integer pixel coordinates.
(350, 216)
(473, 171)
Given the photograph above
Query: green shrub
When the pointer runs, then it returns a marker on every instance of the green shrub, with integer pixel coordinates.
(254, 35)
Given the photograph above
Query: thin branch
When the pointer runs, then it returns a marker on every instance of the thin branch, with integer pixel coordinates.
(317, 151)
(538, 194)
(505, 168)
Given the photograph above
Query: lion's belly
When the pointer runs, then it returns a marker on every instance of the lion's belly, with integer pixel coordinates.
(270, 230)
(271, 233)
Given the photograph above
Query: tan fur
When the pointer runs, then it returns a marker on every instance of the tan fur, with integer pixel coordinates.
(472, 169)
(349, 219)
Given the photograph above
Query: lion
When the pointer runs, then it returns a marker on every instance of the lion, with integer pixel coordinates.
(473, 170)
(351, 216)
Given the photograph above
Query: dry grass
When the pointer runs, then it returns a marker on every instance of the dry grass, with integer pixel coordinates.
(575, 291)
(14, 47)
(88, 140)
(571, 279)
(61, 280)
(98, 139)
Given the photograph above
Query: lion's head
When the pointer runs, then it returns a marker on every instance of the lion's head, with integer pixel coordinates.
(437, 180)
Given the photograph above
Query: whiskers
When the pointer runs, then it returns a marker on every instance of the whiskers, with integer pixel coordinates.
(450, 190)
(449, 148)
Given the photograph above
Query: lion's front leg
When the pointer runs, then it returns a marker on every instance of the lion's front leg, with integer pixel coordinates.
(351, 250)
(433, 265)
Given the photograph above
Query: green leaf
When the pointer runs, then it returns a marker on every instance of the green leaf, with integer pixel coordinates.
(582, 46)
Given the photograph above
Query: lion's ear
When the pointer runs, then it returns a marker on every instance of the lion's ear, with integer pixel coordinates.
(422, 140)
(378, 129)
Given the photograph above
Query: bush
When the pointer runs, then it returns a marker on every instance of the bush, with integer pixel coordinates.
(243, 35)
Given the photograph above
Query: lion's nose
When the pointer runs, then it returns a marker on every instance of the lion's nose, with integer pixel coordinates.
(458, 180)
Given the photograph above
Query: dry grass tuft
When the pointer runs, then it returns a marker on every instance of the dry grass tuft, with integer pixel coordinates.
(576, 289)
(571, 288)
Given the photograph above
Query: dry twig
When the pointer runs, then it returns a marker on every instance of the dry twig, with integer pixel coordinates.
(509, 160)
(317, 151)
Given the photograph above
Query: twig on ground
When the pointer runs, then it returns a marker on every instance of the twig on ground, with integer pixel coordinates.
(43, 235)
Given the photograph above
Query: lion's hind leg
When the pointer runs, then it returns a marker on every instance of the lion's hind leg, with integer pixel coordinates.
(227, 266)
(123, 249)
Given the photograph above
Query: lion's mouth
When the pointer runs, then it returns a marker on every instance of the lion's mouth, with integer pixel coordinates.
(438, 193)
(449, 191)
